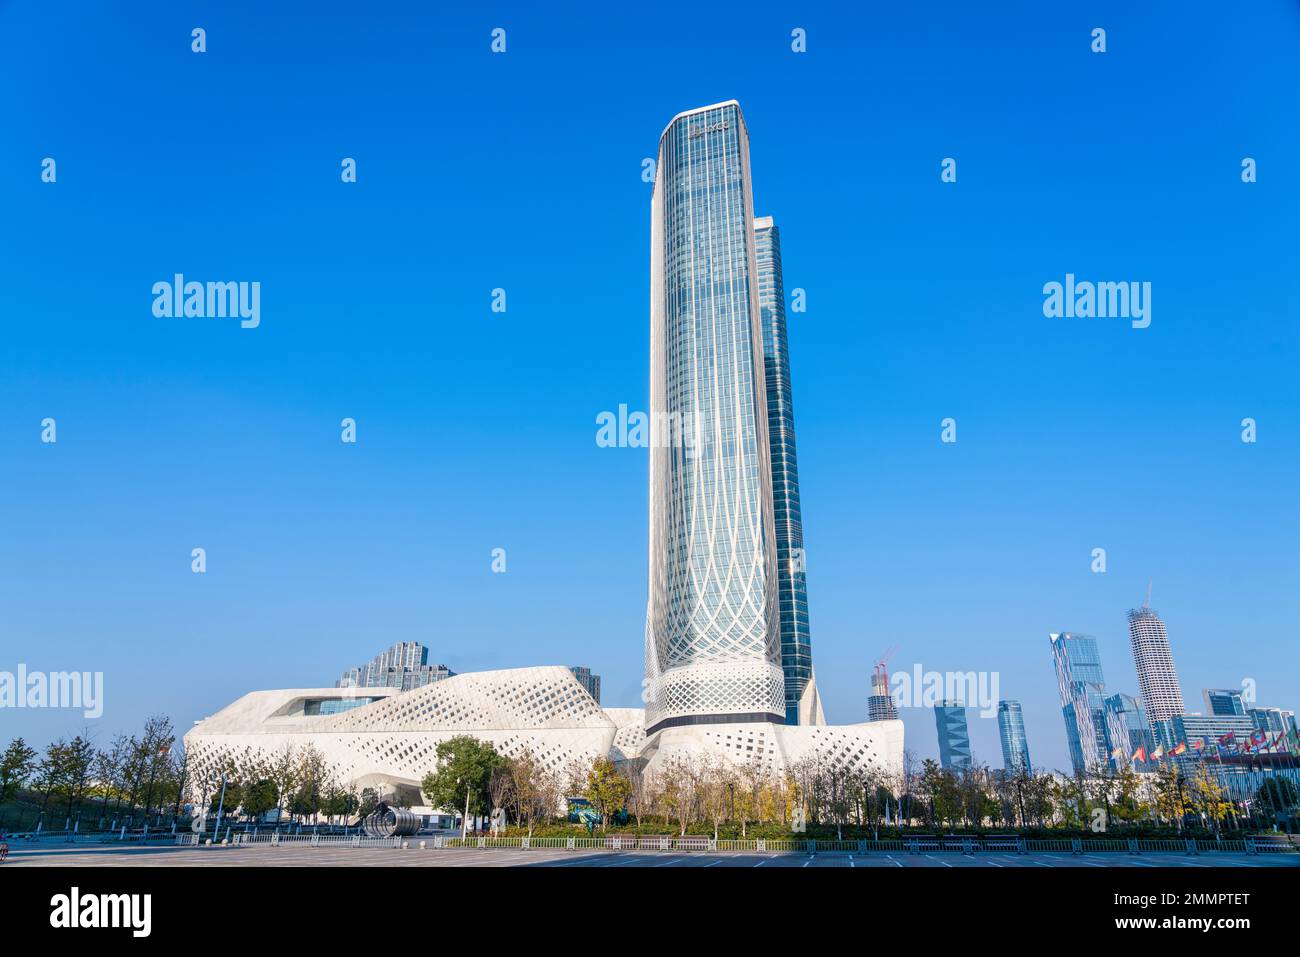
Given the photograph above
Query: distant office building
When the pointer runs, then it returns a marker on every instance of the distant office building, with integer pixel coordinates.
(404, 666)
(1223, 701)
(954, 736)
(1082, 687)
(587, 680)
(1211, 730)
(1273, 720)
(1127, 731)
(1158, 680)
(1011, 729)
(880, 703)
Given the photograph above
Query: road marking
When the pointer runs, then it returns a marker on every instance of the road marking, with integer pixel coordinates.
(712, 863)
(851, 864)
(944, 863)
(762, 862)
(891, 857)
(807, 862)
(671, 860)
(1039, 863)
(994, 863)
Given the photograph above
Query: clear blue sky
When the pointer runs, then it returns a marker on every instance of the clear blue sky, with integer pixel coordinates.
(477, 430)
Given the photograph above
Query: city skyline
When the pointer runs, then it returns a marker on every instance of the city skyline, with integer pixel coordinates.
(963, 555)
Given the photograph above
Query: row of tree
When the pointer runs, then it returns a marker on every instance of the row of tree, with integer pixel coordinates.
(131, 778)
(139, 775)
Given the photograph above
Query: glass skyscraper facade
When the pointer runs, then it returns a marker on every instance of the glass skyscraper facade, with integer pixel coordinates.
(1011, 730)
(1224, 701)
(954, 735)
(713, 642)
(1127, 730)
(1082, 686)
(792, 587)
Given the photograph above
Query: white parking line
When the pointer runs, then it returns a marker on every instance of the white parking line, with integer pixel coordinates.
(807, 862)
(944, 863)
(671, 860)
(891, 857)
(1040, 863)
(762, 862)
(714, 863)
(851, 864)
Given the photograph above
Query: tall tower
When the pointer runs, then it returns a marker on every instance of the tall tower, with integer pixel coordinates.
(1157, 679)
(1082, 687)
(713, 641)
(1011, 731)
(802, 705)
(954, 736)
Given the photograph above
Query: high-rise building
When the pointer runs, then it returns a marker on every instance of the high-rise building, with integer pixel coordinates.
(1212, 733)
(1157, 679)
(880, 704)
(1127, 731)
(588, 681)
(792, 586)
(1082, 686)
(1273, 720)
(1223, 701)
(713, 626)
(954, 736)
(403, 666)
(1011, 729)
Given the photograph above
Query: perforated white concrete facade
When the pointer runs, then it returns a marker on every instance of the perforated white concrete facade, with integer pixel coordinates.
(394, 740)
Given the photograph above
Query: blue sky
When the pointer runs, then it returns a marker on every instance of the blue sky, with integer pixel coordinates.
(477, 429)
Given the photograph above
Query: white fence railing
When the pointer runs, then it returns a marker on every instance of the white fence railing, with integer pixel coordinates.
(692, 843)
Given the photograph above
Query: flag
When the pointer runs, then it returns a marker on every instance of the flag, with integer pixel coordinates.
(1228, 741)
(1178, 749)
(1140, 754)
(1199, 744)
(1117, 753)
(1259, 737)
(1156, 754)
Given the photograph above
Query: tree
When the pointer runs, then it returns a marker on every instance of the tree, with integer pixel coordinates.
(17, 766)
(534, 789)
(283, 775)
(606, 789)
(1208, 797)
(465, 766)
(1170, 794)
(1277, 796)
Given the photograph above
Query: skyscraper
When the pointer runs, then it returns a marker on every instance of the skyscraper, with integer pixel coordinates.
(1011, 729)
(1081, 685)
(1127, 730)
(954, 736)
(404, 666)
(589, 682)
(792, 590)
(1157, 679)
(713, 640)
